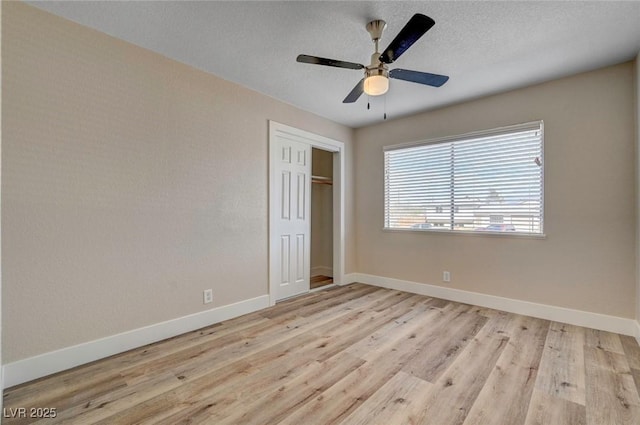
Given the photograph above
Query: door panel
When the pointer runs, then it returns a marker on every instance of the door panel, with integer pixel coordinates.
(302, 203)
(300, 253)
(285, 257)
(285, 190)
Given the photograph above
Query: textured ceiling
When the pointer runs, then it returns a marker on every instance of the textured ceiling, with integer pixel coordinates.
(485, 47)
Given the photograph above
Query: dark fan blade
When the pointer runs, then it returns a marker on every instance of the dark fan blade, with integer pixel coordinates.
(434, 80)
(415, 28)
(328, 62)
(355, 93)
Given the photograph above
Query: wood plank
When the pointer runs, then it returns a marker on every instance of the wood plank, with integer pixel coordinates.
(603, 340)
(320, 281)
(636, 377)
(302, 303)
(438, 302)
(270, 378)
(392, 402)
(233, 402)
(64, 401)
(334, 339)
(631, 350)
(562, 364)
(456, 390)
(499, 324)
(517, 367)
(546, 409)
(446, 341)
(357, 296)
(336, 403)
(395, 332)
(484, 311)
(611, 396)
(272, 407)
(96, 409)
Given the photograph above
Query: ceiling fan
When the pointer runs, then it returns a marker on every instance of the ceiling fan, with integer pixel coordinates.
(377, 74)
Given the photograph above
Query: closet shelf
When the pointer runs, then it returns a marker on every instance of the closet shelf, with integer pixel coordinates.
(321, 180)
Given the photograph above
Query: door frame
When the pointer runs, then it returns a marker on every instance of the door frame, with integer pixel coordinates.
(320, 142)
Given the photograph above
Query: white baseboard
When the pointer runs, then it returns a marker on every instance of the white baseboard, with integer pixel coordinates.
(349, 278)
(637, 335)
(321, 271)
(55, 361)
(543, 311)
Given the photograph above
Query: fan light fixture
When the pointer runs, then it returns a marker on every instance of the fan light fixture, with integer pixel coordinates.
(376, 85)
(376, 77)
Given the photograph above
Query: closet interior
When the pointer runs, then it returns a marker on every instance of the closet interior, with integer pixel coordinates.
(321, 218)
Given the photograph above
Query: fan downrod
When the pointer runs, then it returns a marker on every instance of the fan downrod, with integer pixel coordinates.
(376, 68)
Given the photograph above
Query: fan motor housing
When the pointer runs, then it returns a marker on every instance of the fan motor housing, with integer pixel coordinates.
(380, 69)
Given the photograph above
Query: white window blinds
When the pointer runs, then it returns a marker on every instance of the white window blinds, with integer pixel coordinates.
(490, 181)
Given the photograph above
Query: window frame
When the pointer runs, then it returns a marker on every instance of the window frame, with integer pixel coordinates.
(461, 137)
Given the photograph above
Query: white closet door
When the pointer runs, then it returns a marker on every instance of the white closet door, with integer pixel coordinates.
(291, 183)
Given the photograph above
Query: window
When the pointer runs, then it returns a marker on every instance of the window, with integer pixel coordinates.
(490, 181)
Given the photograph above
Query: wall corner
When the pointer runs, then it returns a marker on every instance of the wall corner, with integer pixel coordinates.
(637, 191)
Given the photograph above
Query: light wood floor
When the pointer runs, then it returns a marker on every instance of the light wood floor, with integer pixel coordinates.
(357, 355)
(320, 281)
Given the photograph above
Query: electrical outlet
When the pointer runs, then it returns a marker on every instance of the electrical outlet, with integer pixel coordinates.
(208, 296)
(446, 276)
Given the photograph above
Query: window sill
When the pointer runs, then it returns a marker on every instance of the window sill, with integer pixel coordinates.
(515, 235)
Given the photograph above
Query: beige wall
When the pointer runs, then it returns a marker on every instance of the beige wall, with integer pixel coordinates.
(1, 369)
(321, 212)
(130, 184)
(637, 109)
(587, 260)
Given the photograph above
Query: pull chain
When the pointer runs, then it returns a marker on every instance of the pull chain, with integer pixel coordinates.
(385, 106)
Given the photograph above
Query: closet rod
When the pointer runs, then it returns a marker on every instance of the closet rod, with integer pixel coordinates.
(321, 180)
